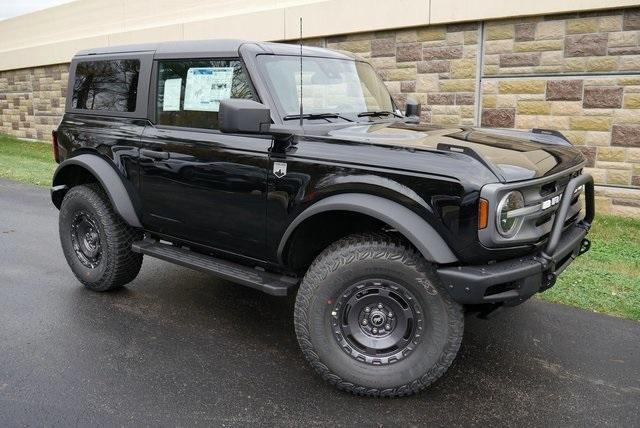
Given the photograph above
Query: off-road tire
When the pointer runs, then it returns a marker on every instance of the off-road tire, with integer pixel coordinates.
(348, 261)
(118, 265)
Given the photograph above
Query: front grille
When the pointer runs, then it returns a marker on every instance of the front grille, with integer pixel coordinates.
(548, 188)
(545, 218)
(542, 197)
(543, 222)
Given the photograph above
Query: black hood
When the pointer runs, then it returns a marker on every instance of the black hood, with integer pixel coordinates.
(511, 155)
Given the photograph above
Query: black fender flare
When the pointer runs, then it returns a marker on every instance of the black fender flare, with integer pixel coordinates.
(413, 227)
(108, 178)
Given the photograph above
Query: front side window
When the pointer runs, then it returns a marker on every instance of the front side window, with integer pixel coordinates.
(329, 85)
(190, 91)
(108, 85)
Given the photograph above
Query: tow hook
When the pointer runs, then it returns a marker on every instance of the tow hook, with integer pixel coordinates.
(584, 246)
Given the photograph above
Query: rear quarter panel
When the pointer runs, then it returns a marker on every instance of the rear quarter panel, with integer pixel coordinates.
(114, 139)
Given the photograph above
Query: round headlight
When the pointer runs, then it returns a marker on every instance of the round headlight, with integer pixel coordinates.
(508, 225)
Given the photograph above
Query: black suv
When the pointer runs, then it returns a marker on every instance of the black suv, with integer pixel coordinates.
(200, 154)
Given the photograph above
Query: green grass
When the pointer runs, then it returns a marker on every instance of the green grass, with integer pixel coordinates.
(606, 279)
(25, 161)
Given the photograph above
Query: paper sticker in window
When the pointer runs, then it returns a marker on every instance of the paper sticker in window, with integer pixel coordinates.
(171, 97)
(206, 86)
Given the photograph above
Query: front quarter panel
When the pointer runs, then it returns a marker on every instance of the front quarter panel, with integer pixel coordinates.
(317, 170)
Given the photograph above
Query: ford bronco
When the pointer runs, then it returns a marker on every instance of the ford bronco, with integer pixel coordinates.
(292, 170)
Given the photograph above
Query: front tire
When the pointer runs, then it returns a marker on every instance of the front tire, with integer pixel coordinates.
(96, 242)
(372, 318)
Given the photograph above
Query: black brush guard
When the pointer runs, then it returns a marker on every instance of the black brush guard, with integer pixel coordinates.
(511, 282)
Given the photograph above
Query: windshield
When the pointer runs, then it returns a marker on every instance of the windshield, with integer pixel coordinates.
(344, 88)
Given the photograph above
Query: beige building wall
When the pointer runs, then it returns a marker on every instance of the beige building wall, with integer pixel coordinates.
(52, 36)
(499, 65)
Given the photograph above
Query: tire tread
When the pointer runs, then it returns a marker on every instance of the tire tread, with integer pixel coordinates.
(371, 246)
(124, 265)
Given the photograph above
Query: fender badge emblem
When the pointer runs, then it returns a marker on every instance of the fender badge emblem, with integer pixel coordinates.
(279, 169)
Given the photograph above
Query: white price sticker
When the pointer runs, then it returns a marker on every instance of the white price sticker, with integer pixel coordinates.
(206, 86)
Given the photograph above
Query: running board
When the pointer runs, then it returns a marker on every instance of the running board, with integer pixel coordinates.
(270, 283)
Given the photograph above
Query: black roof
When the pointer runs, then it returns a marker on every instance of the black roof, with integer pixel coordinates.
(218, 47)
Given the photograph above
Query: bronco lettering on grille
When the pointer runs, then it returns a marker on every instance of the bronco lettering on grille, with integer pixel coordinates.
(551, 202)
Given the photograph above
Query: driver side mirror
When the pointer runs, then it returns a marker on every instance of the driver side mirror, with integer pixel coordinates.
(413, 108)
(243, 116)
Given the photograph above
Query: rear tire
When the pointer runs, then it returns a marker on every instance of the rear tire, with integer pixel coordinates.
(96, 242)
(372, 318)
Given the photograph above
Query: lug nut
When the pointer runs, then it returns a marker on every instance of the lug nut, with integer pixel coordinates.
(375, 331)
(367, 309)
(379, 305)
(390, 314)
(364, 322)
(387, 327)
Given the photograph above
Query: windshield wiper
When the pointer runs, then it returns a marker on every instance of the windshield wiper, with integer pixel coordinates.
(378, 113)
(325, 116)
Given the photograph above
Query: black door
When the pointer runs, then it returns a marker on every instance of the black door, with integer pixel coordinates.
(198, 184)
(204, 187)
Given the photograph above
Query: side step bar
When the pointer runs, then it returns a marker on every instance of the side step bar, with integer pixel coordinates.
(270, 283)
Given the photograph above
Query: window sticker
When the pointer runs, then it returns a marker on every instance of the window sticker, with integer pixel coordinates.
(171, 98)
(206, 86)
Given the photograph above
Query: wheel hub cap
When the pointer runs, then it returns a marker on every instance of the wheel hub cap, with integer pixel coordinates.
(378, 318)
(377, 321)
(85, 239)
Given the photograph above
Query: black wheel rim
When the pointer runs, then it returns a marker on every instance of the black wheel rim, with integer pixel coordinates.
(85, 238)
(377, 321)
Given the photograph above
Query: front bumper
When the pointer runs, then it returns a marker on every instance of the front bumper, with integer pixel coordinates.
(513, 281)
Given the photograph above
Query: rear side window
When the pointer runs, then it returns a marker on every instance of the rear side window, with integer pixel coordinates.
(189, 91)
(107, 85)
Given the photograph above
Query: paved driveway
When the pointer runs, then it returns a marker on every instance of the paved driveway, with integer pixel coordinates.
(178, 347)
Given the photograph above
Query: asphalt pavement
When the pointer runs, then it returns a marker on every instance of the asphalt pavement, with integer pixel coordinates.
(178, 347)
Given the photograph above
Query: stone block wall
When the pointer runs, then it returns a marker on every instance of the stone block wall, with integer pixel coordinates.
(32, 100)
(595, 42)
(576, 73)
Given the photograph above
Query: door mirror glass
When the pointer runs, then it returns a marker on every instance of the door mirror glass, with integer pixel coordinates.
(244, 116)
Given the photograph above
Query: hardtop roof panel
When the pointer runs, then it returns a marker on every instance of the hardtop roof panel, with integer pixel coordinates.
(182, 47)
(215, 48)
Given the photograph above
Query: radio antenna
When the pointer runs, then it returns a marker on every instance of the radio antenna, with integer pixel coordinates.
(301, 108)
